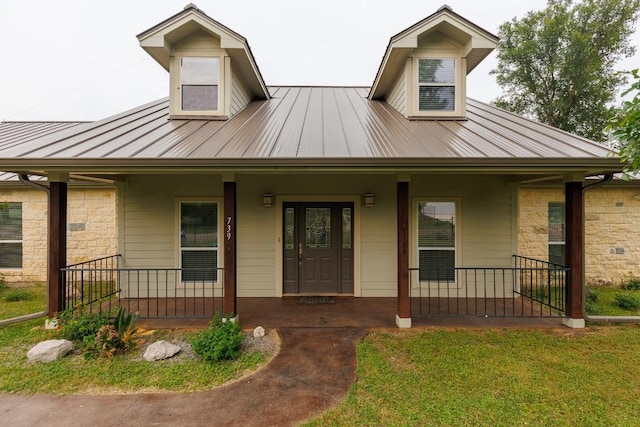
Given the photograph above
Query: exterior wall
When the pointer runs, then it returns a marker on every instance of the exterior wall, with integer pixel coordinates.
(149, 224)
(91, 230)
(398, 97)
(612, 223)
(240, 96)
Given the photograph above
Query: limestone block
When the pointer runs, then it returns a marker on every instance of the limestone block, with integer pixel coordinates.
(258, 332)
(160, 350)
(48, 351)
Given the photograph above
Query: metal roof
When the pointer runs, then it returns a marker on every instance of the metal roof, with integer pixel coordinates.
(308, 127)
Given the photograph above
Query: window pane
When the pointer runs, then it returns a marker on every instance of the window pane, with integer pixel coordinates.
(436, 224)
(198, 224)
(289, 228)
(199, 265)
(10, 221)
(346, 228)
(439, 98)
(199, 78)
(199, 98)
(556, 222)
(438, 265)
(318, 227)
(556, 254)
(436, 70)
(203, 71)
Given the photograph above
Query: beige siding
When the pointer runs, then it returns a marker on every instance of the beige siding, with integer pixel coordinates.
(612, 223)
(240, 96)
(91, 230)
(398, 96)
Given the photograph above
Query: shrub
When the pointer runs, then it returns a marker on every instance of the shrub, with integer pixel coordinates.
(632, 284)
(221, 341)
(17, 295)
(75, 324)
(628, 301)
(118, 336)
(591, 295)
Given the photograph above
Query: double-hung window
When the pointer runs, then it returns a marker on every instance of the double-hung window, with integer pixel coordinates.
(199, 83)
(436, 84)
(437, 241)
(199, 241)
(10, 235)
(556, 233)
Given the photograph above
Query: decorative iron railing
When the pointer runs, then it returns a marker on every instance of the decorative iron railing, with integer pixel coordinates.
(155, 293)
(531, 288)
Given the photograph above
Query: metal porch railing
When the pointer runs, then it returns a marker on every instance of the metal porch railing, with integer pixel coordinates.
(531, 288)
(153, 293)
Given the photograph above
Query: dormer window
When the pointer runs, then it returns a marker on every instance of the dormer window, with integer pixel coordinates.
(436, 84)
(199, 84)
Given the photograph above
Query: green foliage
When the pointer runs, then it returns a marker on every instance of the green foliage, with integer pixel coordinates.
(3, 282)
(17, 295)
(220, 342)
(632, 284)
(556, 65)
(628, 301)
(76, 324)
(625, 126)
(119, 336)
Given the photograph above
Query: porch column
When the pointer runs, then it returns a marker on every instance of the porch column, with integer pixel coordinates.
(230, 299)
(403, 316)
(574, 252)
(57, 253)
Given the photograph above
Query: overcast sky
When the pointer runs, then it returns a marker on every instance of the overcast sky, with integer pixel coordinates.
(80, 59)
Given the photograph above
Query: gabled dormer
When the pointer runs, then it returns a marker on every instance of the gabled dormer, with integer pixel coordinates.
(213, 74)
(424, 69)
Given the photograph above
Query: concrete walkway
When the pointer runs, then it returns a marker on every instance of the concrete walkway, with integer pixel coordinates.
(312, 373)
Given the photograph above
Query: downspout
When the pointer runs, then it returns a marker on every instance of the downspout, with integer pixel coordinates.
(24, 178)
(636, 319)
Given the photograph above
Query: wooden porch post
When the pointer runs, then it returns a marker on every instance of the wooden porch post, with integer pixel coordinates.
(229, 233)
(403, 316)
(574, 253)
(57, 253)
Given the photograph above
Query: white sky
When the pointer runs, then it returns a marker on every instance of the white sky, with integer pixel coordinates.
(80, 59)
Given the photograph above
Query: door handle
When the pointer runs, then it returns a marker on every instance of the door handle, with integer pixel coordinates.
(300, 253)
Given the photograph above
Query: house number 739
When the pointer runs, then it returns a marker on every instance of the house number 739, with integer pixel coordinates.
(229, 229)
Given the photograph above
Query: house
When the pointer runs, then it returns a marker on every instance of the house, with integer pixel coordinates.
(612, 218)
(229, 188)
(91, 227)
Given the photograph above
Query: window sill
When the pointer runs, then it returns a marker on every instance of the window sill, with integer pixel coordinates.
(452, 118)
(196, 117)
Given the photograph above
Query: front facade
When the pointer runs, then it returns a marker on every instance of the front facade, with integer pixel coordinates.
(234, 189)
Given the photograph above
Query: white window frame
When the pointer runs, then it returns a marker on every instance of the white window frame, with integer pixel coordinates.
(179, 87)
(416, 233)
(178, 233)
(556, 242)
(13, 241)
(458, 87)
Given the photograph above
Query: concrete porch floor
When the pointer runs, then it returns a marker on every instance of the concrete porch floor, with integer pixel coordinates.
(346, 312)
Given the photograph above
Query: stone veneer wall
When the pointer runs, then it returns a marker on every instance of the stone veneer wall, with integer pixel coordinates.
(91, 229)
(612, 230)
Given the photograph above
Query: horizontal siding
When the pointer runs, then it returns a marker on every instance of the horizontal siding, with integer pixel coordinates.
(240, 96)
(398, 96)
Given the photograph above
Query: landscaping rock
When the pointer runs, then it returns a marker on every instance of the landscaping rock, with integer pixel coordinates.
(258, 332)
(160, 350)
(48, 351)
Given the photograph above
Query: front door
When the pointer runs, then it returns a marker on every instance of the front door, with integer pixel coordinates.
(318, 248)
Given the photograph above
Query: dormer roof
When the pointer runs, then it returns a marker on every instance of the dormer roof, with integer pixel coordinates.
(475, 44)
(158, 40)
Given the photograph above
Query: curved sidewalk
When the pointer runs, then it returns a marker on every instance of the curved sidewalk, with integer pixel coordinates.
(312, 373)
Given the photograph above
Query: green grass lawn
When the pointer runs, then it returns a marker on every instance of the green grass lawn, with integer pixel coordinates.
(16, 302)
(495, 378)
(605, 302)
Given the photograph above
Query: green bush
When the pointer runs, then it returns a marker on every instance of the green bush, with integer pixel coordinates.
(76, 324)
(220, 342)
(591, 295)
(632, 285)
(17, 295)
(628, 301)
(119, 336)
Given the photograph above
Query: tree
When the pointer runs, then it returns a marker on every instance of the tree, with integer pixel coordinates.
(556, 65)
(625, 125)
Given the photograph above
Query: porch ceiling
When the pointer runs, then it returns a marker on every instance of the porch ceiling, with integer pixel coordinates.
(308, 129)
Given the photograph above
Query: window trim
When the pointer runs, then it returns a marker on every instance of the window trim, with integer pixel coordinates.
(458, 85)
(562, 242)
(14, 241)
(415, 248)
(178, 112)
(217, 283)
